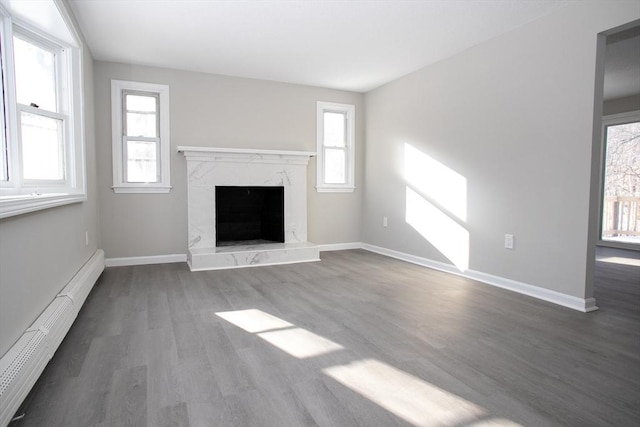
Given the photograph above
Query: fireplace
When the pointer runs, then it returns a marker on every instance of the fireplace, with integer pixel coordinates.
(249, 215)
(262, 219)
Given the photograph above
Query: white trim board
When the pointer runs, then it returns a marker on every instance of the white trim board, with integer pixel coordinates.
(585, 305)
(145, 260)
(340, 246)
(575, 303)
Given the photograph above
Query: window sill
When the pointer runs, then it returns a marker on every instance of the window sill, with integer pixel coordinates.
(18, 205)
(335, 189)
(141, 189)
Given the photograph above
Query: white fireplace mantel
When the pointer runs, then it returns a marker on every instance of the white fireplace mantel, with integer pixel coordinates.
(208, 167)
(243, 155)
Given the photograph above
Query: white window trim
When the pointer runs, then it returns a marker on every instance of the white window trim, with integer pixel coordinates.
(612, 120)
(350, 111)
(119, 185)
(18, 196)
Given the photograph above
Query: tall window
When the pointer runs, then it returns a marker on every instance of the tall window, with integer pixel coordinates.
(41, 118)
(621, 192)
(336, 147)
(141, 143)
(42, 152)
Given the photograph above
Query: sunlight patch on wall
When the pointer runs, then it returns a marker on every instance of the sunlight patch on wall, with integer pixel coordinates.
(410, 398)
(449, 237)
(436, 181)
(295, 341)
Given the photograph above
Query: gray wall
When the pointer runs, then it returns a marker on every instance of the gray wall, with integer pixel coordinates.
(41, 251)
(513, 116)
(621, 105)
(217, 111)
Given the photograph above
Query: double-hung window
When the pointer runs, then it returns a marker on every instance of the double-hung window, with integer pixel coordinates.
(42, 152)
(140, 115)
(335, 147)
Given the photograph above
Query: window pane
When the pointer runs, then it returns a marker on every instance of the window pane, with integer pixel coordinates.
(142, 163)
(621, 204)
(141, 103)
(35, 75)
(142, 124)
(4, 172)
(42, 147)
(334, 129)
(334, 166)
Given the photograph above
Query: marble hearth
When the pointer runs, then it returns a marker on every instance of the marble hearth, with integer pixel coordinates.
(208, 167)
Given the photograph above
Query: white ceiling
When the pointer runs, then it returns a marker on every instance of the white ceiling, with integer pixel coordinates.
(349, 44)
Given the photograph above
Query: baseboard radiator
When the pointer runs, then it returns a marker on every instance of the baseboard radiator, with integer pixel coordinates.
(21, 366)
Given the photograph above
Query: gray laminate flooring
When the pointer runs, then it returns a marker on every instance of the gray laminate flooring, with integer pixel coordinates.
(357, 339)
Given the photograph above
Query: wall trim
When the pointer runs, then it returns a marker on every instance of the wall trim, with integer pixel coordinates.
(145, 260)
(23, 363)
(569, 301)
(340, 246)
(580, 304)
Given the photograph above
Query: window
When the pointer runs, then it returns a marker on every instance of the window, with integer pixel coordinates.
(140, 115)
(41, 151)
(336, 153)
(621, 189)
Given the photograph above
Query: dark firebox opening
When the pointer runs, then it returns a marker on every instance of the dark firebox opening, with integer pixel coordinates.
(246, 215)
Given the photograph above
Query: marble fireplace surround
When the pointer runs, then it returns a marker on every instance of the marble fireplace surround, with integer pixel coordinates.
(211, 166)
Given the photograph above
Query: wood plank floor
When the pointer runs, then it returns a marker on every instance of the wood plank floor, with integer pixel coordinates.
(355, 340)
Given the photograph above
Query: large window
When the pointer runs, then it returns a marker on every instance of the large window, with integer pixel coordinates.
(336, 147)
(140, 115)
(42, 152)
(621, 192)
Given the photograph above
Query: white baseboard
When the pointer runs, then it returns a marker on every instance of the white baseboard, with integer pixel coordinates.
(340, 246)
(145, 260)
(575, 303)
(580, 304)
(21, 366)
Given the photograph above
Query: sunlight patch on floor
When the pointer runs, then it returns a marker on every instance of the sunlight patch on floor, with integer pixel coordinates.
(406, 396)
(295, 341)
(619, 260)
(254, 320)
(300, 343)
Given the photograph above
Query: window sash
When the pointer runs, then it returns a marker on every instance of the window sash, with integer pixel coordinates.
(15, 181)
(57, 53)
(61, 149)
(345, 165)
(126, 111)
(126, 159)
(4, 152)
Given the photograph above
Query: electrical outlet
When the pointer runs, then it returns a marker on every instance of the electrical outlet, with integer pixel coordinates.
(385, 221)
(86, 238)
(508, 241)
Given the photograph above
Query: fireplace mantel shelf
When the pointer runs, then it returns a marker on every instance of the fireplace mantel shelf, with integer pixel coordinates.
(234, 152)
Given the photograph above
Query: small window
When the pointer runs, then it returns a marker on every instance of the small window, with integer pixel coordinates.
(335, 156)
(141, 144)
